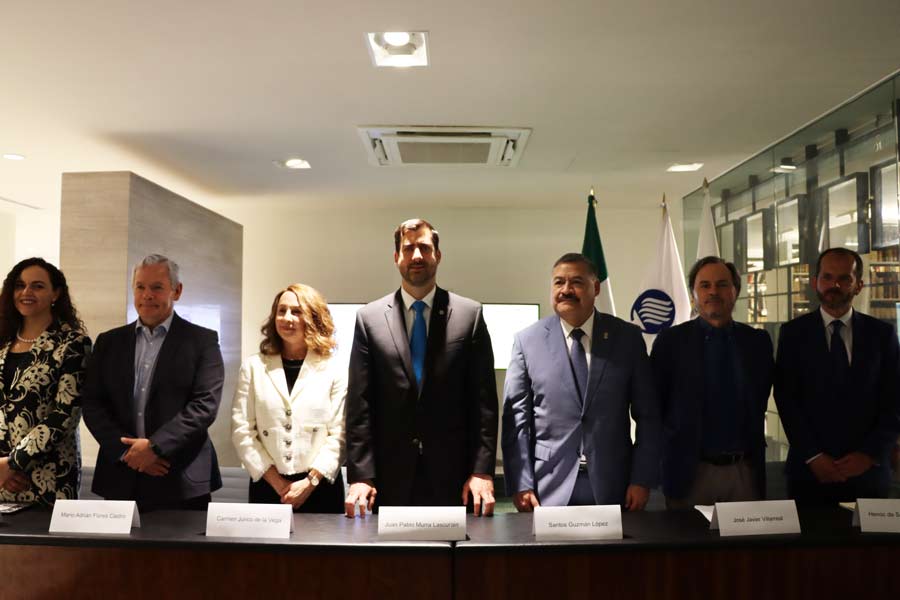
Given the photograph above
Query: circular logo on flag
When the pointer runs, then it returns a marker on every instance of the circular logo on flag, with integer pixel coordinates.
(654, 310)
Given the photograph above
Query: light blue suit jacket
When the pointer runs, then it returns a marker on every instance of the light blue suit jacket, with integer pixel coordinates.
(545, 422)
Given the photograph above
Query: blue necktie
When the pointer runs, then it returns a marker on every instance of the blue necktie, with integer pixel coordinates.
(839, 358)
(417, 341)
(579, 362)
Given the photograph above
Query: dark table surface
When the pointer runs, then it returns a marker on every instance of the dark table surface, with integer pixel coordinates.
(187, 528)
(671, 530)
(645, 530)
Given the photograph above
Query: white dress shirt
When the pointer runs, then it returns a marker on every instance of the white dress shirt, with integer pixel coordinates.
(846, 330)
(411, 313)
(846, 336)
(588, 328)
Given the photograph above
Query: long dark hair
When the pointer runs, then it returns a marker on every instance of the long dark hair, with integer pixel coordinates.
(63, 310)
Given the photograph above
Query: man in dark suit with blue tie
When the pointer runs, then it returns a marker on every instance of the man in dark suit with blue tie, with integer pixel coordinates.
(836, 386)
(421, 397)
(573, 379)
(151, 392)
(714, 377)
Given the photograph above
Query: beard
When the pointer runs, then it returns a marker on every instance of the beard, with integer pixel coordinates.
(417, 277)
(835, 299)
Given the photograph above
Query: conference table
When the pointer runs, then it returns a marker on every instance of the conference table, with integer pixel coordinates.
(662, 555)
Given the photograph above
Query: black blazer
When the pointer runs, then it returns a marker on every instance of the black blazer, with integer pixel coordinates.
(677, 361)
(866, 420)
(454, 417)
(184, 398)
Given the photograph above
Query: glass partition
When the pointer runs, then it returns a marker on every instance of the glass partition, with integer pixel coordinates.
(787, 221)
(832, 182)
(755, 242)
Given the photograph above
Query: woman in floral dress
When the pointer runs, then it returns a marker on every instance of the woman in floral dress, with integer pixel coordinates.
(43, 350)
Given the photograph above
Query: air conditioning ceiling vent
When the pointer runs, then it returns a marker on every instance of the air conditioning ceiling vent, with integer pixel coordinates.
(401, 146)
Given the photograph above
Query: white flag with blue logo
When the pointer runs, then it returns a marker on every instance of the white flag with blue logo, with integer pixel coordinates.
(663, 300)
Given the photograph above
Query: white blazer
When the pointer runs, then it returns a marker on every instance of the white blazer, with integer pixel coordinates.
(293, 431)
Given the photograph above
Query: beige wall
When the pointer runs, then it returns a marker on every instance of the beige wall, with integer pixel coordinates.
(490, 254)
(7, 241)
(112, 220)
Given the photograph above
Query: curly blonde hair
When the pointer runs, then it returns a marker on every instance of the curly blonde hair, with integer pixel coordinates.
(316, 318)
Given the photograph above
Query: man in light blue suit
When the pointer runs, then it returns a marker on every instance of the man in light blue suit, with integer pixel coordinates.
(571, 383)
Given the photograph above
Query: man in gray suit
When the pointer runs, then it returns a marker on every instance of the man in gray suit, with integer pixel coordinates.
(421, 398)
(571, 382)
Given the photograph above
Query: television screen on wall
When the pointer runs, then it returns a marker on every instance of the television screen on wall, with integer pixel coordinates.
(503, 321)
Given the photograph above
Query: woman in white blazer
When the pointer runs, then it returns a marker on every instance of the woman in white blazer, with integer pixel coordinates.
(288, 412)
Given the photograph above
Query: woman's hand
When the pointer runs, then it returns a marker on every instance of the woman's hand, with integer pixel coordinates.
(274, 479)
(10, 479)
(297, 493)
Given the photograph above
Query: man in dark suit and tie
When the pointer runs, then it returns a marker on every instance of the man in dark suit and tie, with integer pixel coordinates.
(836, 386)
(571, 383)
(714, 377)
(421, 398)
(152, 389)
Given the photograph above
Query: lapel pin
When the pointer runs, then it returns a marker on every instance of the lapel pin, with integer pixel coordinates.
(605, 335)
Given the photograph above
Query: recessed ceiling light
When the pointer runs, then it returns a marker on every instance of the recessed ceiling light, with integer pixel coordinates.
(397, 38)
(685, 168)
(296, 163)
(398, 48)
(13, 157)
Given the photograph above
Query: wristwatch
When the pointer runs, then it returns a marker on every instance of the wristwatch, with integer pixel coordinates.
(313, 479)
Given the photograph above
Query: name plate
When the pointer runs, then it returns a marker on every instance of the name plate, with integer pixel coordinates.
(573, 523)
(877, 515)
(422, 523)
(755, 518)
(231, 519)
(94, 516)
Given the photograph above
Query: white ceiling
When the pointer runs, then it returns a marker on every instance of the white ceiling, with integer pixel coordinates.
(202, 96)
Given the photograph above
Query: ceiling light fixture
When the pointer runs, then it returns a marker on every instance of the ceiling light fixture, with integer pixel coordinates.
(13, 157)
(398, 48)
(296, 163)
(685, 168)
(396, 38)
(785, 166)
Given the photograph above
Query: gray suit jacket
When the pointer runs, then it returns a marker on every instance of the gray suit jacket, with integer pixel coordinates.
(454, 416)
(545, 422)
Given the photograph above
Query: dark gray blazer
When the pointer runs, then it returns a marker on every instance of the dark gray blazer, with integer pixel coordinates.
(454, 416)
(184, 398)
